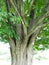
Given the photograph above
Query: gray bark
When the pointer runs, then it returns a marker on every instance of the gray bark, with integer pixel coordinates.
(21, 55)
(21, 50)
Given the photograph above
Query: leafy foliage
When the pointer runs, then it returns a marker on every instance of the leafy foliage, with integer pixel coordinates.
(6, 30)
(42, 41)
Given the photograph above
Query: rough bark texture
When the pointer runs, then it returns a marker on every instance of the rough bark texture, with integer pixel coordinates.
(22, 55)
(21, 50)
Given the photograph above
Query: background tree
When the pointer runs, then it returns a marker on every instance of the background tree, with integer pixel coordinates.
(20, 23)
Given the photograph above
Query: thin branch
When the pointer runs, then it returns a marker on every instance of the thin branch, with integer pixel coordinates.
(17, 11)
(39, 20)
(8, 10)
(32, 40)
(31, 4)
(15, 8)
(36, 28)
(30, 7)
(36, 32)
(7, 5)
(24, 27)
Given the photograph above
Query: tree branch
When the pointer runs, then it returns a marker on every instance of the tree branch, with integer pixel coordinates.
(24, 27)
(39, 20)
(33, 30)
(30, 7)
(36, 32)
(33, 38)
(8, 10)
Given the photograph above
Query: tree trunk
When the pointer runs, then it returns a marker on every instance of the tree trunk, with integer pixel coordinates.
(21, 55)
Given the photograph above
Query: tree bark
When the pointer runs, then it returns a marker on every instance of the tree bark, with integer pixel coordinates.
(22, 49)
(21, 55)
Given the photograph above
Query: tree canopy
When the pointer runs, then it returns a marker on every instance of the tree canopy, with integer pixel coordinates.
(41, 14)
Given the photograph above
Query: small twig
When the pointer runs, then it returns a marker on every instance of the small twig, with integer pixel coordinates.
(30, 7)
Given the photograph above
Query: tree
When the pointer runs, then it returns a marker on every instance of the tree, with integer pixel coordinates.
(20, 23)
